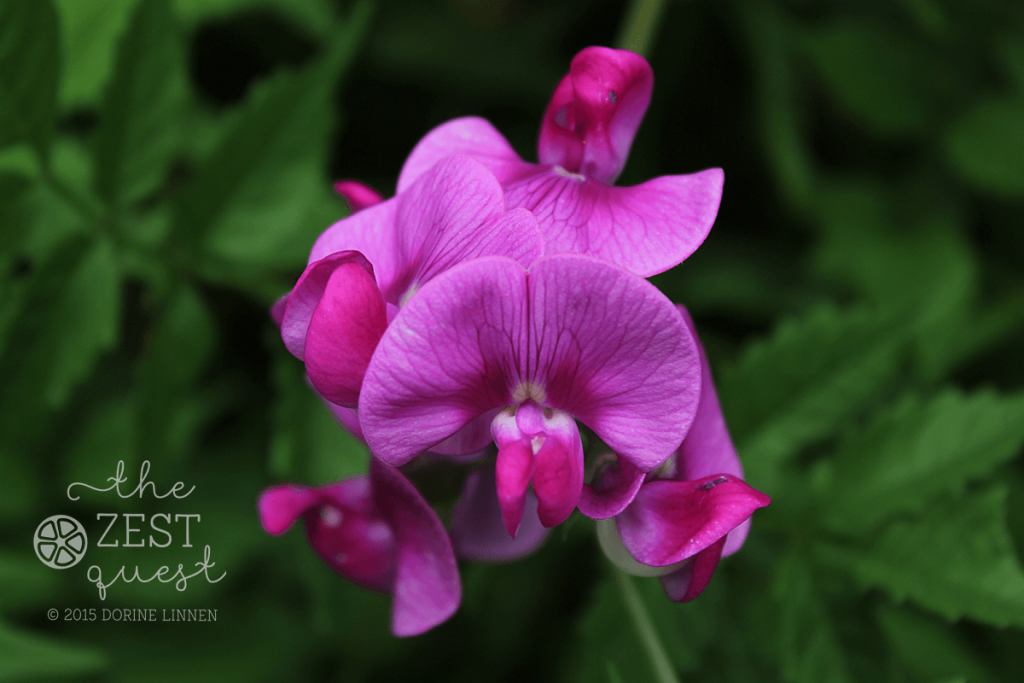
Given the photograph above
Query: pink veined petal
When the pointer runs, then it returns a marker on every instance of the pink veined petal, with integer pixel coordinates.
(558, 477)
(343, 332)
(689, 581)
(670, 521)
(448, 357)
(371, 232)
(306, 295)
(607, 347)
(472, 438)
(281, 506)
(612, 491)
(452, 213)
(647, 228)
(478, 529)
(278, 308)
(590, 124)
(708, 448)
(470, 136)
(358, 195)
(427, 590)
(513, 470)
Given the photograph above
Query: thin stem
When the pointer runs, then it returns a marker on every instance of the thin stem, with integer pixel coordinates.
(663, 670)
(641, 22)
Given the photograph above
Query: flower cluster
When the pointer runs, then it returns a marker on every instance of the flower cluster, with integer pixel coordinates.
(484, 313)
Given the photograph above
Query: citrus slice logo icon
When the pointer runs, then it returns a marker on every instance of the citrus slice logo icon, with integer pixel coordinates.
(60, 542)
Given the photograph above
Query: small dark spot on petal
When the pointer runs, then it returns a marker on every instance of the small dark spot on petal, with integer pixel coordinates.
(707, 486)
(613, 96)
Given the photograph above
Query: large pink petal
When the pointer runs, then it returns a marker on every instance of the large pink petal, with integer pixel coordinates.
(708, 448)
(478, 529)
(371, 232)
(358, 195)
(670, 521)
(612, 491)
(609, 348)
(449, 356)
(455, 212)
(306, 295)
(594, 114)
(343, 331)
(470, 136)
(690, 580)
(281, 506)
(646, 228)
(427, 589)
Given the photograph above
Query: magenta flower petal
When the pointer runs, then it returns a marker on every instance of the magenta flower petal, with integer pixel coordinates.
(306, 295)
(595, 111)
(478, 529)
(278, 308)
(513, 471)
(426, 590)
(281, 506)
(558, 478)
(358, 195)
(348, 418)
(690, 580)
(470, 136)
(612, 491)
(472, 438)
(646, 228)
(371, 232)
(670, 521)
(343, 331)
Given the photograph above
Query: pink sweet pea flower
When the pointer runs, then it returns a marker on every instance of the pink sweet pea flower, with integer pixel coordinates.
(526, 351)
(379, 533)
(363, 268)
(692, 510)
(358, 195)
(584, 141)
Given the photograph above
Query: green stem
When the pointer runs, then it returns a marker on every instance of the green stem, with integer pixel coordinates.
(663, 671)
(638, 30)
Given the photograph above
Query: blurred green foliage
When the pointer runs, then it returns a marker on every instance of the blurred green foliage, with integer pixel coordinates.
(165, 166)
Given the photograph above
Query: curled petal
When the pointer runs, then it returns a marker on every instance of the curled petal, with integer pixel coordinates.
(470, 136)
(558, 477)
(371, 232)
(670, 521)
(281, 506)
(478, 528)
(612, 491)
(358, 195)
(278, 308)
(427, 590)
(690, 580)
(647, 228)
(595, 112)
(343, 332)
(513, 470)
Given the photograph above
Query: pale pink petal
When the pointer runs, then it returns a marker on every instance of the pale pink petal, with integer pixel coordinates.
(358, 195)
(343, 331)
(612, 491)
(281, 506)
(470, 136)
(427, 590)
(646, 228)
(607, 347)
(478, 529)
(306, 295)
(670, 521)
(595, 112)
(371, 232)
(690, 580)
(449, 356)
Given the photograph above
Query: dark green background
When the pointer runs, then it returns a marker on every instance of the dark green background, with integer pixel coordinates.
(165, 166)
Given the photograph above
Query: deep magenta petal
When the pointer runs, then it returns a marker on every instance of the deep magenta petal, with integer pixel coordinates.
(670, 521)
(278, 308)
(612, 491)
(472, 438)
(344, 329)
(558, 476)
(478, 528)
(281, 506)
(306, 296)
(358, 195)
(470, 136)
(595, 112)
(646, 229)
(689, 581)
(427, 590)
(448, 357)
(611, 350)
(513, 470)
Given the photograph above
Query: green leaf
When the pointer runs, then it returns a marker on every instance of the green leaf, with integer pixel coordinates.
(13, 189)
(109, 435)
(798, 385)
(258, 199)
(986, 146)
(140, 121)
(24, 655)
(929, 650)
(957, 560)
(316, 16)
(915, 451)
(90, 31)
(24, 581)
(29, 63)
